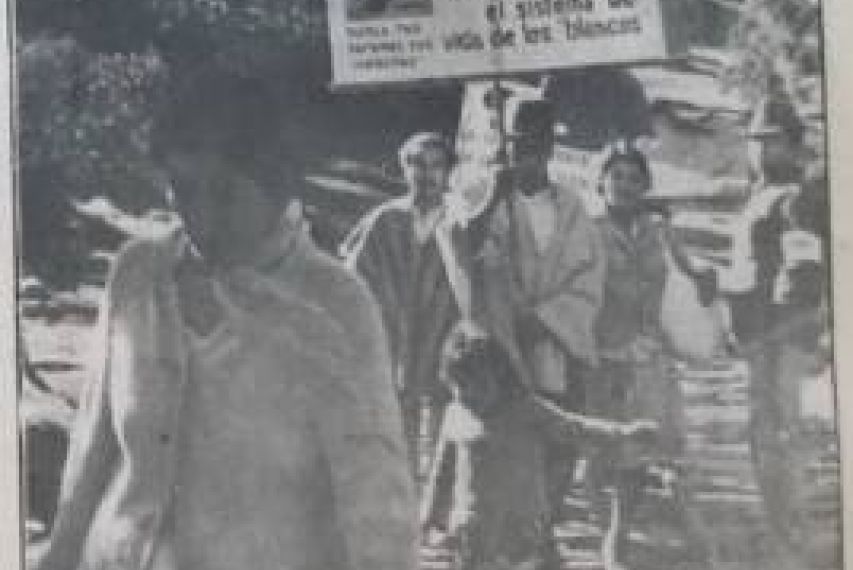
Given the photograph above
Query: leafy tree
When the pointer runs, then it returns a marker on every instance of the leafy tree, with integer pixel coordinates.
(775, 37)
(83, 122)
(85, 115)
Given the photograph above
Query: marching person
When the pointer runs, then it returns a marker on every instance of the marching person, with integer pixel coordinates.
(764, 319)
(641, 256)
(543, 263)
(397, 249)
(539, 270)
(244, 415)
(775, 154)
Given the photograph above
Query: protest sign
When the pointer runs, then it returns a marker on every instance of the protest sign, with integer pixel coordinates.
(381, 41)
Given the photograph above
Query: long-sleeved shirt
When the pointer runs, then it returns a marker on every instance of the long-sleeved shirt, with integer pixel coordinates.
(304, 465)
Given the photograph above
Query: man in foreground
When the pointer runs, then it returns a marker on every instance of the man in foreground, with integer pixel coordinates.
(244, 415)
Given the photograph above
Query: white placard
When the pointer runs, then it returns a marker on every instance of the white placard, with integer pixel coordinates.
(381, 41)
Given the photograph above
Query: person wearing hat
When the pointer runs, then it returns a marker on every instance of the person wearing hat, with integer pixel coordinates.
(243, 414)
(397, 250)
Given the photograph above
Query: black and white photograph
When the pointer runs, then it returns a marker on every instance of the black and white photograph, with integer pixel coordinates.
(565, 306)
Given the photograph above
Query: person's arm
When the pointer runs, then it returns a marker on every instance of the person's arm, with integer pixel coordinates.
(705, 278)
(360, 428)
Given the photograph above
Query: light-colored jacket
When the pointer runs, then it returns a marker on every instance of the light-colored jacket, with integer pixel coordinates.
(562, 287)
(119, 477)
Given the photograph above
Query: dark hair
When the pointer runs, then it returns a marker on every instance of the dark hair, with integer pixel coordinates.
(234, 116)
(534, 120)
(631, 156)
(423, 140)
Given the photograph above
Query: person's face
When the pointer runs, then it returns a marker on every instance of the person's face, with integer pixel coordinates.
(528, 155)
(226, 215)
(427, 173)
(623, 184)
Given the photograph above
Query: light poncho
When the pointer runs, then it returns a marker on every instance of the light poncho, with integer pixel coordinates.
(304, 468)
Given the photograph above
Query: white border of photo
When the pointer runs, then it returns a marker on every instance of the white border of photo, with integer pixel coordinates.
(838, 34)
(838, 18)
(10, 484)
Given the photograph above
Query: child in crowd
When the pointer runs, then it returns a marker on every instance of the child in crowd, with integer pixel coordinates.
(628, 385)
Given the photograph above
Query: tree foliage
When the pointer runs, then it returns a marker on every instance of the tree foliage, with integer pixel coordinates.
(775, 37)
(83, 123)
(90, 72)
(84, 116)
(176, 27)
